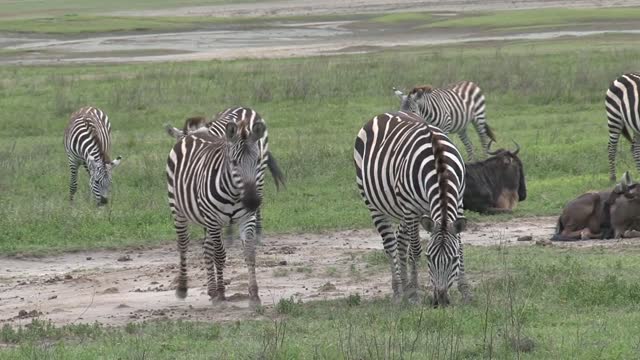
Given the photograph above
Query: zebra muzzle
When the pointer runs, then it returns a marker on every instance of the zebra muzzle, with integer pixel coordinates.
(250, 199)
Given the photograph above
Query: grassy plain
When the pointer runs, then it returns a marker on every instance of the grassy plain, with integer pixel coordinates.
(530, 303)
(546, 96)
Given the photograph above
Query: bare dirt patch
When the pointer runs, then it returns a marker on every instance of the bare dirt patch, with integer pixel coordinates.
(95, 286)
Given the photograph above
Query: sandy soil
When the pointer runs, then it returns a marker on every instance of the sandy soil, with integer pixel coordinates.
(117, 287)
(277, 39)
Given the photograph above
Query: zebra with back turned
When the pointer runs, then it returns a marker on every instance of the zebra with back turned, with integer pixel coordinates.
(211, 181)
(87, 141)
(216, 127)
(409, 171)
(451, 109)
(623, 117)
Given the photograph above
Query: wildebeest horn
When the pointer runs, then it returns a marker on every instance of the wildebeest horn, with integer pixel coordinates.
(489, 147)
(517, 147)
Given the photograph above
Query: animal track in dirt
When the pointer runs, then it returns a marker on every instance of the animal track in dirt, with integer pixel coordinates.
(329, 265)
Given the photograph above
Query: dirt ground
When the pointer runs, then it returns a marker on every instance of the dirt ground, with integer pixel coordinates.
(117, 287)
(281, 39)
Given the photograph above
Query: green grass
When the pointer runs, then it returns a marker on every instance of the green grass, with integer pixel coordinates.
(568, 303)
(548, 98)
(75, 24)
(538, 17)
(29, 8)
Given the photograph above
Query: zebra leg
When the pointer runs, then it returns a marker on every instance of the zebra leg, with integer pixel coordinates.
(410, 231)
(614, 136)
(635, 150)
(385, 228)
(248, 237)
(215, 258)
(73, 185)
(182, 230)
(402, 240)
(258, 227)
(480, 124)
(229, 238)
(467, 143)
(463, 285)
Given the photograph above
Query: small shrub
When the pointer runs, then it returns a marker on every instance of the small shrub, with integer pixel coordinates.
(354, 299)
(289, 306)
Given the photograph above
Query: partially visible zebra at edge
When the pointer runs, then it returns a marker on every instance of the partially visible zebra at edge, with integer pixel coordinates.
(622, 102)
(87, 141)
(409, 171)
(451, 109)
(212, 180)
(216, 127)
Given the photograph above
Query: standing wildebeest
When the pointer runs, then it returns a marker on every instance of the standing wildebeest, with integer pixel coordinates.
(87, 140)
(212, 180)
(495, 184)
(601, 215)
(623, 117)
(199, 125)
(409, 171)
(451, 109)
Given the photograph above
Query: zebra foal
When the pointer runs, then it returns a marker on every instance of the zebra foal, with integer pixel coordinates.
(622, 103)
(87, 141)
(211, 181)
(451, 109)
(409, 171)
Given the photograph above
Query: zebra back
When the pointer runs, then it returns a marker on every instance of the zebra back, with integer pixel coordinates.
(89, 132)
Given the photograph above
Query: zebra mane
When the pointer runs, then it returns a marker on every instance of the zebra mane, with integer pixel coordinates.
(194, 123)
(421, 89)
(442, 176)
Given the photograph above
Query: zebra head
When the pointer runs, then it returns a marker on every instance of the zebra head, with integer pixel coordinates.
(415, 100)
(246, 159)
(100, 177)
(443, 254)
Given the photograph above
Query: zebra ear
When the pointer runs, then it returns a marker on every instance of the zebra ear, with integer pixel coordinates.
(173, 132)
(231, 130)
(427, 223)
(116, 162)
(258, 130)
(459, 225)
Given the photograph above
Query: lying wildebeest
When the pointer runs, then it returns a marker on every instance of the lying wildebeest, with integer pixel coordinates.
(496, 184)
(602, 215)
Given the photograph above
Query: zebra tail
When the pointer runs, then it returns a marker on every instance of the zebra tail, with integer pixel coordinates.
(276, 173)
(490, 133)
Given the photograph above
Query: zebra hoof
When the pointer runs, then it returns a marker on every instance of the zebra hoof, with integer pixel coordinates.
(181, 292)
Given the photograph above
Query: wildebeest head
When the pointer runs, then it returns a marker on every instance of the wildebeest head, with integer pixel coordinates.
(508, 167)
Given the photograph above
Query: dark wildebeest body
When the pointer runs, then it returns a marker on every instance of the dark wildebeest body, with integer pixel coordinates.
(602, 215)
(495, 184)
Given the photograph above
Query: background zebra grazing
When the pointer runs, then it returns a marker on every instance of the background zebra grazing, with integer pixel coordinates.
(216, 127)
(451, 109)
(410, 171)
(87, 140)
(212, 180)
(623, 117)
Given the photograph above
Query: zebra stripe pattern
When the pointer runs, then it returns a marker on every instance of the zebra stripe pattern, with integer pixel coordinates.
(211, 181)
(451, 109)
(217, 128)
(87, 141)
(410, 172)
(623, 117)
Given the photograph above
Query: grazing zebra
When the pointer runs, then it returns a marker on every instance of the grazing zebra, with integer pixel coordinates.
(87, 140)
(411, 172)
(623, 117)
(217, 128)
(211, 181)
(451, 109)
